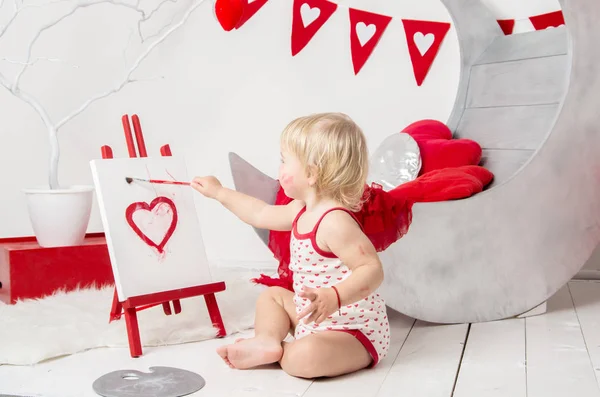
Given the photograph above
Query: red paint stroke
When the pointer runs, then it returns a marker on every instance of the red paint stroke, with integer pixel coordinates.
(142, 206)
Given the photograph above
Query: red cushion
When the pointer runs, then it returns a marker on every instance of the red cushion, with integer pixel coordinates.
(428, 129)
(445, 184)
(440, 153)
(438, 149)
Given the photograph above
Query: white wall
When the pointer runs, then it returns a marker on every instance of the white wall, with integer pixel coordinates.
(221, 92)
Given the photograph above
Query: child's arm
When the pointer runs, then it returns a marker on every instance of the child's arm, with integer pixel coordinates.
(249, 209)
(340, 234)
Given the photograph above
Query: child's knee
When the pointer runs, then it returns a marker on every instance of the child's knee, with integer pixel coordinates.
(301, 359)
(274, 294)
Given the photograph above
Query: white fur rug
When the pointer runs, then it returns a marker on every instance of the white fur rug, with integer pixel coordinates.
(65, 323)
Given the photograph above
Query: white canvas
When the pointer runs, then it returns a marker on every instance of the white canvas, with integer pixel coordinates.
(138, 267)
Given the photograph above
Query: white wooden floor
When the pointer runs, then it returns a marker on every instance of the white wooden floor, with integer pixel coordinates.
(555, 354)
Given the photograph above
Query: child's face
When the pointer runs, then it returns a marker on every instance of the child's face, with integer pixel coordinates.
(292, 176)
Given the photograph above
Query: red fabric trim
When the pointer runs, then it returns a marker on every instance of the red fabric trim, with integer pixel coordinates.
(326, 254)
(312, 235)
(295, 226)
(362, 338)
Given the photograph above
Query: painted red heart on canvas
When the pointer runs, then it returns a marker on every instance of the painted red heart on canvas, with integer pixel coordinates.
(154, 223)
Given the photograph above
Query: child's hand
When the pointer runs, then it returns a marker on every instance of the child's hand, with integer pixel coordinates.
(207, 185)
(323, 304)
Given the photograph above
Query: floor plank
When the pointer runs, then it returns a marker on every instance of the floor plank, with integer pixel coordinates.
(428, 362)
(366, 383)
(586, 297)
(558, 363)
(494, 361)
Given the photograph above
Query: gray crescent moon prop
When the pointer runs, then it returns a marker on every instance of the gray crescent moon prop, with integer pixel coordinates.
(531, 100)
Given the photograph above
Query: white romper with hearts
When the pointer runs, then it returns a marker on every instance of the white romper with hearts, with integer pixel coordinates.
(312, 267)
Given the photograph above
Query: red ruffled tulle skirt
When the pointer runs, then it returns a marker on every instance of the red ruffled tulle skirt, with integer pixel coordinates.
(385, 218)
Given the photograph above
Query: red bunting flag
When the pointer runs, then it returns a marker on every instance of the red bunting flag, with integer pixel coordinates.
(366, 29)
(549, 20)
(251, 7)
(424, 39)
(308, 17)
(507, 25)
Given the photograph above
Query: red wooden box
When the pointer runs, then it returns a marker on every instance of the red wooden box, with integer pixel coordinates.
(30, 271)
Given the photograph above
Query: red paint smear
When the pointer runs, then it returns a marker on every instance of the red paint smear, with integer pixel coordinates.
(137, 206)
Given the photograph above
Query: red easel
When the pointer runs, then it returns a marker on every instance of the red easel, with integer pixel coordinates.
(132, 305)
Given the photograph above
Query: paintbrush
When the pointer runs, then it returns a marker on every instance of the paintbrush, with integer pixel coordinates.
(158, 181)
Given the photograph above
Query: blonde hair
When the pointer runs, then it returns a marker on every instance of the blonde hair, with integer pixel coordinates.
(336, 146)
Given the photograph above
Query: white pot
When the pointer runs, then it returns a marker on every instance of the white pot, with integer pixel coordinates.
(60, 217)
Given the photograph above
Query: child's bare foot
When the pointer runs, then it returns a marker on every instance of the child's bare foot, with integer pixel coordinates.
(222, 351)
(249, 353)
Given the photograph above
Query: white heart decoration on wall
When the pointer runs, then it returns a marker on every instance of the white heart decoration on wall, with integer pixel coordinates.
(364, 32)
(308, 14)
(423, 42)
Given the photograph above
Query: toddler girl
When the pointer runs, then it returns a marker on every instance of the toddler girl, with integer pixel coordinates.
(338, 321)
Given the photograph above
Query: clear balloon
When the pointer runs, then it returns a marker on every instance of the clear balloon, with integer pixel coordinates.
(396, 160)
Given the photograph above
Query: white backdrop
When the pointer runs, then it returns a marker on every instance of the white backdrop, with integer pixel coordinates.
(219, 92)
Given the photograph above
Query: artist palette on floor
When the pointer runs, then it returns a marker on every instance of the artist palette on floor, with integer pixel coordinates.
(159, 382)
(152, 230)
